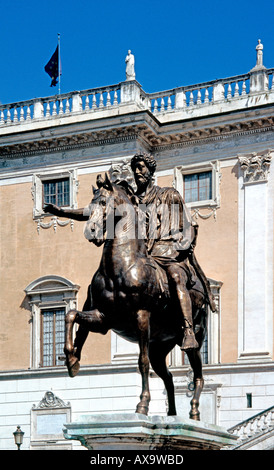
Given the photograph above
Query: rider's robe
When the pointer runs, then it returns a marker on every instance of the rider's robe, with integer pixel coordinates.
(168, 225)
(167, 228)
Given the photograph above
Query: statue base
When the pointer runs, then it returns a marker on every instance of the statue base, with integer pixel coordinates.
(139, 432)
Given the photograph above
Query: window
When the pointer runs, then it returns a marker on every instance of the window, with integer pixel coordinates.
(198, 186)
(56, 192)
(52, 336)
(54, 188)
(50, 298)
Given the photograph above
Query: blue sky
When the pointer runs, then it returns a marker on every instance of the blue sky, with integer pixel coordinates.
(175, 42)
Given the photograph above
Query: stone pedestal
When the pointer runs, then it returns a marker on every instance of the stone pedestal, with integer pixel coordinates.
(138, 432)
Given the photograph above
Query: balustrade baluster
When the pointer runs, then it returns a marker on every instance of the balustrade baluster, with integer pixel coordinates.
(61, 109)
(87, 103)
(48, 110)
(229, 94)
(258, 425)
(15, 115)
(191, 101)
(28, 117)
(54, 109)
(94, 105)
(21, 117)
(162, 104)
(101, 100)
(265, 423)
(8, 116)
(206, 96)
(244, 88)
(199, 96)
(67, 106)
(155, 105)
(169, 107)
(115, 102)
(1, 118)
(236, 93)
(251, 429)
(108, 99)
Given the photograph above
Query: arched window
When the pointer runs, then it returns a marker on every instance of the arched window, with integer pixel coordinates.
(50, 298)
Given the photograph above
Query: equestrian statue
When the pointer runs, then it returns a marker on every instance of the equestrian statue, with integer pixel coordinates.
(149, 287)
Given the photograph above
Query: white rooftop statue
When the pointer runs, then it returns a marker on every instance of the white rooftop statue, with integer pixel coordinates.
(259, 61)
(130, 72)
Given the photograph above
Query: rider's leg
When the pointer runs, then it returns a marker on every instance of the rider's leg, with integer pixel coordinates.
(179, 281)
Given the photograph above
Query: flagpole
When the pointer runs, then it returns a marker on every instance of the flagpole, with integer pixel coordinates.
(59, 64)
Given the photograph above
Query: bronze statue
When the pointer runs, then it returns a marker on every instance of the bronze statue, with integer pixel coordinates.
(148, 290)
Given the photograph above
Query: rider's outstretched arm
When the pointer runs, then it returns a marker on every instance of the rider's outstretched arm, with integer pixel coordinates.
(76, 214)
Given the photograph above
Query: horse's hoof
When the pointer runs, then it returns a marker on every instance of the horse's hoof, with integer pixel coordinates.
(73, 367)
(195, 416)
(143, 410)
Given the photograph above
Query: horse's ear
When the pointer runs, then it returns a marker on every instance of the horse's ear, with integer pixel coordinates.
(99, 181)
(107, 183)
(129, 190)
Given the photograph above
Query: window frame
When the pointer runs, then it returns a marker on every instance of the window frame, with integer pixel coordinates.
(37, 189)
(214, 167)
(47, 292)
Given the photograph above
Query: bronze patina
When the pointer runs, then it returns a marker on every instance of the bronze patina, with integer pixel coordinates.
(149, 287)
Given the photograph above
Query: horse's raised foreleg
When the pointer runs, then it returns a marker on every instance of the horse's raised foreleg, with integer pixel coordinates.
(143, 326)
(157, 356)
(89, 321)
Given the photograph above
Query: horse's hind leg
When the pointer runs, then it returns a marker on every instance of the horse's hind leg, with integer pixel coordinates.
(195, 360)
(157, 356)
(143, 327)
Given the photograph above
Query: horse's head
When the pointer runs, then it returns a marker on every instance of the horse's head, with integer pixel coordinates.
(106, 208)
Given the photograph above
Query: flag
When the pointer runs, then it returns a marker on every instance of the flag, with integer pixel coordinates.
(52, 67)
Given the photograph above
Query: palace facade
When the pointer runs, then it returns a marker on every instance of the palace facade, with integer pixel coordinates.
(214, 142)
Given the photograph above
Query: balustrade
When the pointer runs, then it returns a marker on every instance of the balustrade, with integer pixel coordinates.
(98, 99)
(255, 425)
(60, 105)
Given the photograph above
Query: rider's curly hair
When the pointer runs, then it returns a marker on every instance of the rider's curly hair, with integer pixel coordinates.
(145, 157)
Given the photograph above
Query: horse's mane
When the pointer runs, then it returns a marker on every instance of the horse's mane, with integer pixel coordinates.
(128, 189)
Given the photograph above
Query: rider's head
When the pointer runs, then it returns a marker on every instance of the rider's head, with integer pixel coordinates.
(143, 167)
(147, 159)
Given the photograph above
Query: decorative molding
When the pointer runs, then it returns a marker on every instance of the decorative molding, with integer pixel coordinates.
(148, 132)
(255, 166)
(50, 401)
(196, 213)
(53, 223)
(121, 171)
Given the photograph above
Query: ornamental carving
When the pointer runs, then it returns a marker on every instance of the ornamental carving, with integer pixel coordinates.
(51, 401)
(255, 167)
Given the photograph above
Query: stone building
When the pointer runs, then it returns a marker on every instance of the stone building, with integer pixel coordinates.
(214, 142)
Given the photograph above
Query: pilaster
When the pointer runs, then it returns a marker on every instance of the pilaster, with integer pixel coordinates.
(255, 258)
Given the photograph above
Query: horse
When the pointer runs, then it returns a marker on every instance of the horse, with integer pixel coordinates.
(126, 295)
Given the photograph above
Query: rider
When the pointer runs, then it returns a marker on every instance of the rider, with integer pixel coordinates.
(168, 249)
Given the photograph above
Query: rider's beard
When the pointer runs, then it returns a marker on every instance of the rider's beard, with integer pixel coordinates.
(143, 182)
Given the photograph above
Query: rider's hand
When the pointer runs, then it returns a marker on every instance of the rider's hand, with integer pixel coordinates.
(52, 209)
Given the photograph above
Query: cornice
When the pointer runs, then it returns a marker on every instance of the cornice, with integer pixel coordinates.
(155, 137)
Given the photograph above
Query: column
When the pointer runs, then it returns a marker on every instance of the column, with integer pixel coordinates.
(255, 258)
